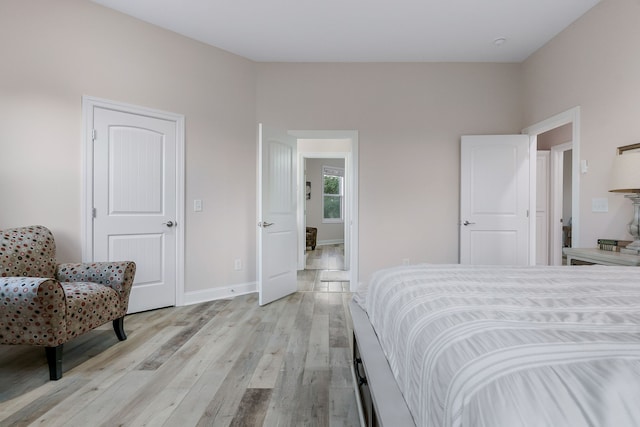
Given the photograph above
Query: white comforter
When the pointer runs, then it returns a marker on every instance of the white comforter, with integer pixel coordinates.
(514, 346)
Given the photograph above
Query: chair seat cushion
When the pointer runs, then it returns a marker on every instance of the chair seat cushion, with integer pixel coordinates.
(89, 305)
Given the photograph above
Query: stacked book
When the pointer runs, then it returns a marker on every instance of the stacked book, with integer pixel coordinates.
(612, 244)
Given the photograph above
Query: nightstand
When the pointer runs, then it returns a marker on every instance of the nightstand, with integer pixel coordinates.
(582, 256)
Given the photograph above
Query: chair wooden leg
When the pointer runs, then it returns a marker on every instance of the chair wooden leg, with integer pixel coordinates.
(118, 327)
(54, 359)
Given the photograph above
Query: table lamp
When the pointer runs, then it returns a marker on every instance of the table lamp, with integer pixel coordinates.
(625, 178)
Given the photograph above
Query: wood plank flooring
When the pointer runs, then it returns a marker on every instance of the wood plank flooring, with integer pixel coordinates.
(325, 257)
(309, 281)
(221, 363)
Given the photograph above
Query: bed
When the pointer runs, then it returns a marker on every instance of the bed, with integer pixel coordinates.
(454, 345)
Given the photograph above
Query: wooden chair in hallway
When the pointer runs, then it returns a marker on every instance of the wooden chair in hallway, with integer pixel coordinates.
(312, 235)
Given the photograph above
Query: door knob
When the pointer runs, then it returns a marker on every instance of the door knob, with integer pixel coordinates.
(467, 223)
(265, 224)
(169, 224)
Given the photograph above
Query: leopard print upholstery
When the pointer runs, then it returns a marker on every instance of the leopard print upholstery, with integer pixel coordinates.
(27, 252)
(32, 311)
(45, 304)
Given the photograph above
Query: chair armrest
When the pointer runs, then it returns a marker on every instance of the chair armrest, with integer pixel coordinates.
(32, 311)
(117, 275)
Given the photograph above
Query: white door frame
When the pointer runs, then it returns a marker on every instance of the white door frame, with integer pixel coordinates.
(557, 197)
(89, 103)
(569, 116)
(351, 207)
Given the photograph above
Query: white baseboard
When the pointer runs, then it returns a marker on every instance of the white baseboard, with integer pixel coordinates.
(330, 242)
(231, 291)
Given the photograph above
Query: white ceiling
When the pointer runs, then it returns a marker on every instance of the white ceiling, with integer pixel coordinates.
(364, 30)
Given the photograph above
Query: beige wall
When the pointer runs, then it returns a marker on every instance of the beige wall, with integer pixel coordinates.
(410, 118)
(53, 52)
(593, 64)
(557, 136)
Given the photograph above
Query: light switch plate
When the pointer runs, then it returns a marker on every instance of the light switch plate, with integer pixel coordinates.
(197, 205)
(599, 205)
(584, 166)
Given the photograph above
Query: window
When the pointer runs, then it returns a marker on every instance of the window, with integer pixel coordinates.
(332, 194)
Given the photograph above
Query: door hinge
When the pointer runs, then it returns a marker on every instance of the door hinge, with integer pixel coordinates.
(93, 212)
(527, 213)
(94, 134)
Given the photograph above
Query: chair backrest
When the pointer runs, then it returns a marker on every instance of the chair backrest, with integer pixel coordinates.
(27, 252)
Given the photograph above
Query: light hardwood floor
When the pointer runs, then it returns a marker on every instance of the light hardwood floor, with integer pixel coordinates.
(310, 281)
(221, 363)
(325, 257)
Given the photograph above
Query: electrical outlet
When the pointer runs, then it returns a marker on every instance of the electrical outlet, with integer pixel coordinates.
(237, 264)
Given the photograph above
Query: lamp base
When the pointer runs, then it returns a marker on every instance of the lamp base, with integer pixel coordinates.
(634, 225)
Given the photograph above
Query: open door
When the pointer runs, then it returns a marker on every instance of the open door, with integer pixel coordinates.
(494, 200)
(277, 207)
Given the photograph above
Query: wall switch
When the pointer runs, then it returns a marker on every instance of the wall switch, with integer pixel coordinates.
(599, 205)
(237, 264)
(197, 205)
(584, 166)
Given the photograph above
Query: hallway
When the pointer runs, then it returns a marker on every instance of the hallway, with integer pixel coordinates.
(324, 270)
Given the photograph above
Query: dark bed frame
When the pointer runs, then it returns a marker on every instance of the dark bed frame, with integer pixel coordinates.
(379, 397)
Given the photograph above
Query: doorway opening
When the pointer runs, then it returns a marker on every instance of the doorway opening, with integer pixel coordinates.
(561, 196)
(560, 136)
(553, 204)
(328, 261)
(324, 213)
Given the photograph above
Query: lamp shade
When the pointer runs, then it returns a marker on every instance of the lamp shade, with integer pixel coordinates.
(625, 176)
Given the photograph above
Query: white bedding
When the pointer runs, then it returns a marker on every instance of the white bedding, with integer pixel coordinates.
(511, 346)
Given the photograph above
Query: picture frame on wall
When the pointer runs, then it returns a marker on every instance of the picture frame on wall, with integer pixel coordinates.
(632, 148)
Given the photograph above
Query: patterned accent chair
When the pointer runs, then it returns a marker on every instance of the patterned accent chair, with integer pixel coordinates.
(47, 304)
(312, 235)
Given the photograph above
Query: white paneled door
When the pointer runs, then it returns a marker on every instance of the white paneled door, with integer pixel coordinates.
(494, 200)
(277, 208)
(135, 209)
